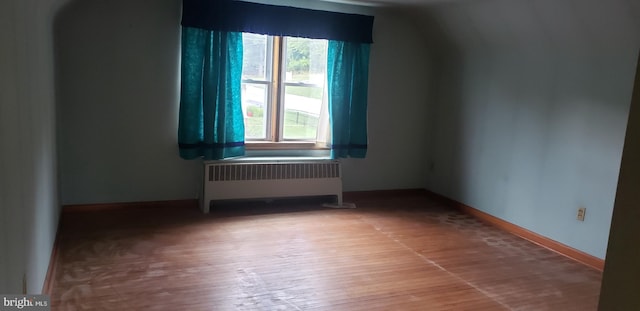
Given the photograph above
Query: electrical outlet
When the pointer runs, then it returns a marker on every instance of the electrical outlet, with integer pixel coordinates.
(581, 213)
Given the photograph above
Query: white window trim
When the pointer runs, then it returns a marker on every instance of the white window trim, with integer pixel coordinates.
(274, 140)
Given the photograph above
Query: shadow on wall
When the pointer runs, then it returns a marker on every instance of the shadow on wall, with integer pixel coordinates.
(444, 79)
(117, 91)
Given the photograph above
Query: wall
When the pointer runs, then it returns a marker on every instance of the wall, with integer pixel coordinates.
(397, 109)
(117, 83)
(118, 103)
(28, 194)
(621, 278)
(531, 107)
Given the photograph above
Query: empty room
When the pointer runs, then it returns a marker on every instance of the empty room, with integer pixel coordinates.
(320, 154)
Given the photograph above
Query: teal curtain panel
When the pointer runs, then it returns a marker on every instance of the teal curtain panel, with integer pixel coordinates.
(347, 75)
(211, 124)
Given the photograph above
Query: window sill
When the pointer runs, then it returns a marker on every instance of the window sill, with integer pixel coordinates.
(285, 146)
(270, 159)
(286, 149)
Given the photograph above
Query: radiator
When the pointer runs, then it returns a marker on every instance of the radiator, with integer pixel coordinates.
(230, 180)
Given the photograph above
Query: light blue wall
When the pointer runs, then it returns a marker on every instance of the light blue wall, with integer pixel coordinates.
(531, 107)
(29, 207)
(117, 83)
(397, 110)
(117, 102)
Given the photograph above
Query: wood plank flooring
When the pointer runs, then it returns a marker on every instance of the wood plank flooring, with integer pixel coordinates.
(390, 253)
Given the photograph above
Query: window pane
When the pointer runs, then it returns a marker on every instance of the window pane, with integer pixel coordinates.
(306, 60)
(302, 106)
(256, 65)
(255, 54)
(254, 109)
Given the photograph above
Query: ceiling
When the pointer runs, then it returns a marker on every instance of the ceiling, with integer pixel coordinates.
(386, 2)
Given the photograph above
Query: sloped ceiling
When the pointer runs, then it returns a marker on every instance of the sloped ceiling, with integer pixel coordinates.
(388, 3)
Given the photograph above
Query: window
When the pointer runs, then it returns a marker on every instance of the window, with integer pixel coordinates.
(283, 90)
(282, 87)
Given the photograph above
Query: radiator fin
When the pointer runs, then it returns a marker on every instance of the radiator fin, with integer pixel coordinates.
(273, 171)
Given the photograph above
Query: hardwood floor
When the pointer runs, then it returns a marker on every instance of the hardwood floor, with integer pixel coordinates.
(390, 253)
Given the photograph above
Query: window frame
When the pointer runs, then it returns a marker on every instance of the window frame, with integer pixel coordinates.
(276, 85)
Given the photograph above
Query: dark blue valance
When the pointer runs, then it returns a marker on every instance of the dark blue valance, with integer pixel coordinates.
(239, 16)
